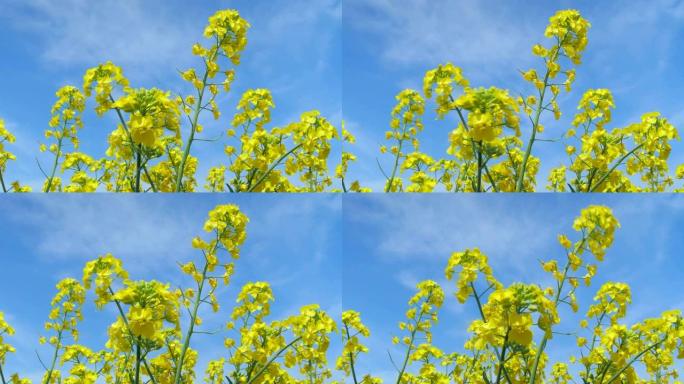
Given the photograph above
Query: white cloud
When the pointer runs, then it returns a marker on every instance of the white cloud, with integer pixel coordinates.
(150, 235)
(427, 31)
(429, 229)
(140, 231)
(126, 32)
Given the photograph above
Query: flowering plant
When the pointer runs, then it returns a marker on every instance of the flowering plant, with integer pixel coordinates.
(150, 149)
(154, 328)
(486, 152)
(513, 325)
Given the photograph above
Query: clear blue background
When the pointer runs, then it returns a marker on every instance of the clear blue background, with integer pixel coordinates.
(634, 50)
(293, 242)
(294, 49)
(393, 242)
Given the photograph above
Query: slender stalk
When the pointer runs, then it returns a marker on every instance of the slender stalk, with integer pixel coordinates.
(271, 360)
(149, 179)
(272, 167)
(4, 189)
(482, 315)
(535, 124)
(193, 125)
(502, 359)
(2, 375)
(56, 354)
(475, 149)
(130, 333)
(479, 171)
(410, 346)
(191, 328)
(479, 303)
(54, 165)
(491, 179)
(635, 358)
(406, 358)
(137, 362)
(605, 370)
(138, 162)
(351, 357)
(617, 164)
(396, 160)
(130, 140)
(542, 345)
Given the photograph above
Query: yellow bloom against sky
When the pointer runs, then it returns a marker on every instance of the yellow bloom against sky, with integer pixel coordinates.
(516, 96)
(360, 275)
(513, 97)
(515, 251)
(255, 267)
(305, 107)
(186, 97)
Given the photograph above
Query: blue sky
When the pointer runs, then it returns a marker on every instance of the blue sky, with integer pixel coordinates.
(393, 242)
(292, 243)
(294, 49)
(388, 46)
(363, 252)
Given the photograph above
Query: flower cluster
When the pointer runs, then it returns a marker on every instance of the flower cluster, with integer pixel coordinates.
(486, 153)
(64, 125)
(421, 316)
(405, 125)
(154, 328)
(352, 329)
(5, 330)
(6, 156)
(515, 323)
(150, 147)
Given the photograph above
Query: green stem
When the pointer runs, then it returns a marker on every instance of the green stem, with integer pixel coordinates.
(479, 171)
(56, 354)
(408, 350)
(272, 167)
(491, 179)
(475, 149)
(54, 165)
(635, 358)
(351, 357)
(4, 189)
(271, 360)
(502, 359)
(479, 303)
(138, 162)
(130, 140)
(482, 315)
(193, 128)
(535, 124)
(2, 375)
(137, 362)
(542, 345)
(617, 164)
(396, 160)
(130, 333)
(191, 329)
(149, 178)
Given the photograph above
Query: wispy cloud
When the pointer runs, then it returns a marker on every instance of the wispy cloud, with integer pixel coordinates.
(422, 31)
(644, 255)
(140, 231)
(150, 235)
(430, 229)
(130, 33)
